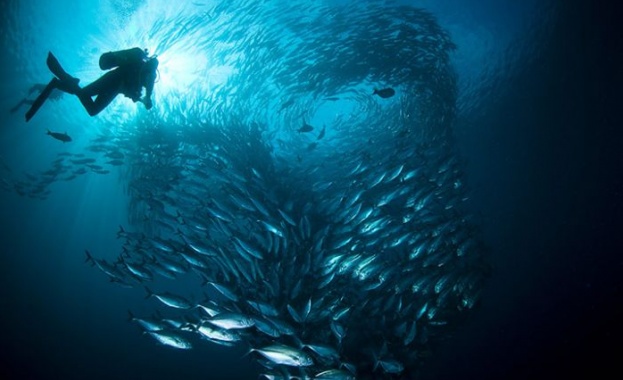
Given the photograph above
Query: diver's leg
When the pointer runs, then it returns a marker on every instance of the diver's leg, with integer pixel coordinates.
(105, 88)
(16, 107)
(101, 101)
(66, 86)
(34, 88)
(102, 84)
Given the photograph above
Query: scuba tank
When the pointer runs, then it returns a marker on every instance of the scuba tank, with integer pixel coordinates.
(114, 59)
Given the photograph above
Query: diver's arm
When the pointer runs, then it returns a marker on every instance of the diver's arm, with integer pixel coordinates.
(149, 88)
(147, 102)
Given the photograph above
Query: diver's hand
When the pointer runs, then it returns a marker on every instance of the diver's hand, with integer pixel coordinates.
(147, 102)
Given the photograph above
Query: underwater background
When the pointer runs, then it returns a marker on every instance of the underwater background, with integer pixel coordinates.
(466, 227)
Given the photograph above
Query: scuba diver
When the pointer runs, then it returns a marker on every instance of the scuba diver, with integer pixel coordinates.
(132, 70)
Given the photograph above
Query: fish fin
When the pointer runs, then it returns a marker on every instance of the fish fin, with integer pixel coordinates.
(294, 314)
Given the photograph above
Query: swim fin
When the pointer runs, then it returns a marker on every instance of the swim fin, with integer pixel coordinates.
(68, 83)
(55, 67)
(43, 96)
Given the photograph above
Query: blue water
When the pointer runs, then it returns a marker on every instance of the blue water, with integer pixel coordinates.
(535, 123)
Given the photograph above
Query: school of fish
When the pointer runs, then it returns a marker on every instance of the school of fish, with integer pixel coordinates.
(341, 254)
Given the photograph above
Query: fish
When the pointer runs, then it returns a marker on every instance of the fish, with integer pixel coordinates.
(285, 105)
(83, 161)
(264, 308)
(334, 374)
(139, 271)
(64, 137)
(229, 321)
(327, 352)
(217, 334)
(225, 291)
(249, 249)
(305, 128)
(272, 228)
(149, 324)
(267, 328)
(171, 339)
(391, 366)
(322, 132)
(115, 154)
(385, 92)
(286, 217)
(170, 299)
(281, 354)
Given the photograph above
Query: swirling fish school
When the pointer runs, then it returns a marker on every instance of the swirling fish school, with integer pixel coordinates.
(345, 264)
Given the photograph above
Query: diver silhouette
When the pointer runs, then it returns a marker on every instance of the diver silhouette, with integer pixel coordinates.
(132, 69)
(55, 95)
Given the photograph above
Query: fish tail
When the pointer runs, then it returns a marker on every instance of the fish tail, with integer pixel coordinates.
(247, 353)
(89, 258)
(376, 361)
(207, 298)
(299, 343)
(149, 292)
